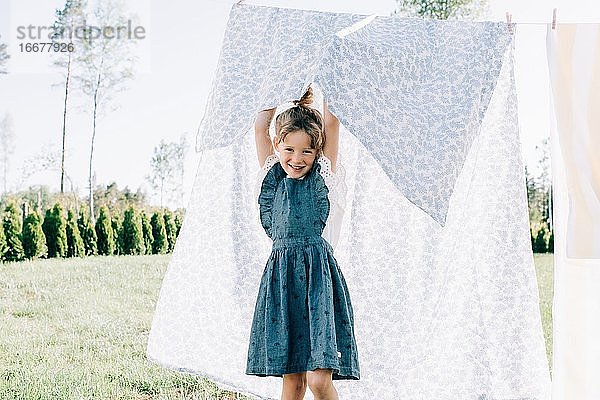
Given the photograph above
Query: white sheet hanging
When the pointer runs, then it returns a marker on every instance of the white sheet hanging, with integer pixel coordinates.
(441, 311)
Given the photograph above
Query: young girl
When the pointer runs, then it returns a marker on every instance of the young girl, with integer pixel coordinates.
(303, 326)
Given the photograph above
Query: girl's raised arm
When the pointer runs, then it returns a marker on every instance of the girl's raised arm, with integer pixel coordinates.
(264, 146)
(332, 136)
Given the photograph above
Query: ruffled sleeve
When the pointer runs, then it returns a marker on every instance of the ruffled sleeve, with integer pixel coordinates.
(260, 175)
(336, 186)
(271, 175)
(322, 204)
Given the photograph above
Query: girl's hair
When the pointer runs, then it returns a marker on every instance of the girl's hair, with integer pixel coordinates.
(302, 117)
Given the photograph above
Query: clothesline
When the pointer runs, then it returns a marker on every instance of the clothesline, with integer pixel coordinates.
(541, 23)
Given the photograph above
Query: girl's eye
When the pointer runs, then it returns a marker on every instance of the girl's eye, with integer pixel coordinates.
(289, 149)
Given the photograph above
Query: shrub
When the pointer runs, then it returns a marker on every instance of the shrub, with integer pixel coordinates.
(133, 237)
(87, 232)
(105, 233)
(178, 223)
(75, 247)
(160, 244)
(171, 230)
(147, 231)
(551, 242)
(11, 223)
(539, 242)
(34, 241)
(115, 223)
(54, 227)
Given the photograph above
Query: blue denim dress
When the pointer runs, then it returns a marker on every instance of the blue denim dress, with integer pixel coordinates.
(303, 316)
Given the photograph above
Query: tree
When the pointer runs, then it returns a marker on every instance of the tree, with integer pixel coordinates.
(441, 9)
(47, 159)
(147, 231)
(171, 230)
(67, 20)
(106, 67)
(11, 223)
(161, 245)
(539, 242)
(3, 57)
(116, 225)
(54, 227)
(133, 236)
(75, 247)
(117, 200)
(34, 241)
(7, 146)
(88, 233)
(551, 242)
(178, 223)
(104, 230)
(167, 170)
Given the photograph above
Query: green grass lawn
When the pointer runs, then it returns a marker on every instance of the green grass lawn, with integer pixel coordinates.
(544, 265)
(77, 329)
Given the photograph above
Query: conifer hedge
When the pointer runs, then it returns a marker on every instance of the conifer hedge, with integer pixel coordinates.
(72, 233)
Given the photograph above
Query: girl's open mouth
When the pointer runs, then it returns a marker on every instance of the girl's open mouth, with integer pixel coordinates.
(296, 168)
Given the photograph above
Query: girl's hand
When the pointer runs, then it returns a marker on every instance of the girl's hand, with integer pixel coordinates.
(264, 147)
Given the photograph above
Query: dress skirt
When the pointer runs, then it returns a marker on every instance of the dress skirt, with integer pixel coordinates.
(303, 318)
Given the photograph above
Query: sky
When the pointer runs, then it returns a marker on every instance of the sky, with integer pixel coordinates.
(177, 59)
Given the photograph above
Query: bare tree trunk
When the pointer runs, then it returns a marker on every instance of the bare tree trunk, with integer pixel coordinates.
(64, 132)
(93, 219)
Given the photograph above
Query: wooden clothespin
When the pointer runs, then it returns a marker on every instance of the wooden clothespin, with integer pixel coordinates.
(554, 19)
(508, 19)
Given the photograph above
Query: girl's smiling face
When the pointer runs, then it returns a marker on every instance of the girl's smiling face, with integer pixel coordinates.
(295, 154)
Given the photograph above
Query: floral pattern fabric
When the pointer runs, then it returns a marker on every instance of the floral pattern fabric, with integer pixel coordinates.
(413, 92)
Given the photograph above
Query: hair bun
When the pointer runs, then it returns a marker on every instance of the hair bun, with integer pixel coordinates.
(306, 99)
